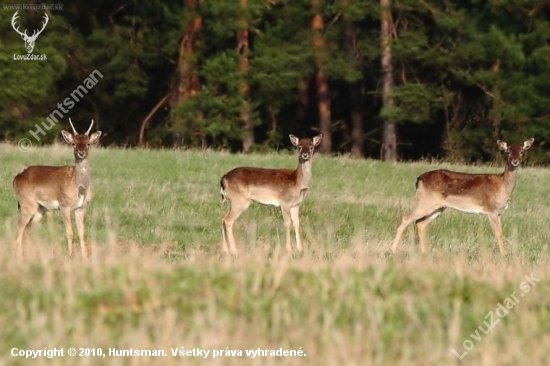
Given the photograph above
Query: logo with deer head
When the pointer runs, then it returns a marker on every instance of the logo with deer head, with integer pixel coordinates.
(29, 40)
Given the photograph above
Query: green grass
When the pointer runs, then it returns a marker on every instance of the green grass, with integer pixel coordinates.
(158, 279)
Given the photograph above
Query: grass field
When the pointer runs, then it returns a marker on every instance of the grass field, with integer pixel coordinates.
(157, 279)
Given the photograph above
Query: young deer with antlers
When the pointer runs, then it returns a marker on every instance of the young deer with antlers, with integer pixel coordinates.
(277, 187)
(66, 188)
(486, 194)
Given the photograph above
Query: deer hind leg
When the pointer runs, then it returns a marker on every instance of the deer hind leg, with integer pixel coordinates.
(38, 215)
(79, 218)
(66, 213)
(295, 216)
(421, 226)
(237, 208)
(496, 225)
(416, 214)
(27, 212)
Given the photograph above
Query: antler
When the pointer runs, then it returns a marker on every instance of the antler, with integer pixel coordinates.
(74, 130)
(15, 16)
(89, 129)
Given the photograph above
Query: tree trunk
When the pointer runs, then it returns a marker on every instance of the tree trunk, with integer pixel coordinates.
(355, 96)
(389, 139)
(322, 84)
(243, 51)
(497, 105)
(188, 81)
(303, 100)
(357, 134)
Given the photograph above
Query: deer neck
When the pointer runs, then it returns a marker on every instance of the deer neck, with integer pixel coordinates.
(82, 174)
(510, 177)
(303, 175)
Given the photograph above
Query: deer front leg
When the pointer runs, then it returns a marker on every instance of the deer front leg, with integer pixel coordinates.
(66, 213)
(496, 225)
(288, 224)
(295, 216)
(79, 216)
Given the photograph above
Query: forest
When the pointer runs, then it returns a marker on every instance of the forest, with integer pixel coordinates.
(385, 79)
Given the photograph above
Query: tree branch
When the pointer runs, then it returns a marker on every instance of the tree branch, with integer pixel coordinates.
(141, 141)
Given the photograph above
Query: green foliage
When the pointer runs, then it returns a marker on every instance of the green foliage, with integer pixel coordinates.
(215, 110)
(28, 86)
(464, 72)
(412, 103)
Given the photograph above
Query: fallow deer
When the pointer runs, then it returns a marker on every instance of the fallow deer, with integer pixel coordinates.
(277, 187)
(66, 188)
(486, 194)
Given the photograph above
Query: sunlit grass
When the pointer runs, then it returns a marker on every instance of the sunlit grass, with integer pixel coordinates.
(157, 278)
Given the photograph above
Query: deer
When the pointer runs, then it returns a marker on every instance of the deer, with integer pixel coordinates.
(486, 194)
(29, 40)
(283, 188)
(41, 188)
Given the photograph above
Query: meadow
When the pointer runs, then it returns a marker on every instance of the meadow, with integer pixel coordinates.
(158, 280)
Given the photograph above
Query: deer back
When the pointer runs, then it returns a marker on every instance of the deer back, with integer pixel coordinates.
(269, 186)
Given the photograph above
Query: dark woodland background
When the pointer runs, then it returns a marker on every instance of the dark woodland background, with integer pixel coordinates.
(395, 80)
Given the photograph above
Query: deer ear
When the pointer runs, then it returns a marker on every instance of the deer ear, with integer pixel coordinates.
(295, 140)
(502, 145)
(94, 138)
(67, 137)
(527, 144)
(317, 139)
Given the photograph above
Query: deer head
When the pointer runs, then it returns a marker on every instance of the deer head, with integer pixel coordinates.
(305, 146)
(515, 151)
(29, 40)
(81, 143)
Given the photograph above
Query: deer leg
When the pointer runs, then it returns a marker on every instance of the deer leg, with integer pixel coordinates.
(66, 213)
(496, 225)
(421, 226)
(40, 211)
(416, 214)
(237, 208)
(288, 224)
(295, 216)
(224, 235)
(25, 217)
(79, 216)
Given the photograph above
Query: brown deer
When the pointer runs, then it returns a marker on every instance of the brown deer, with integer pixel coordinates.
(277, 187)
(486, 194)
(66, 188)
